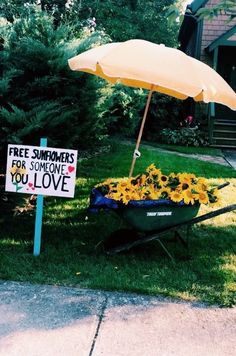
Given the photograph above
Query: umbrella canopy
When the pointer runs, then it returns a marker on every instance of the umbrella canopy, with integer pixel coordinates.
(139, 63)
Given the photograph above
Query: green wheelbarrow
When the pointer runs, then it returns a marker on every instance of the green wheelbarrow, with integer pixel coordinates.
(151, 220)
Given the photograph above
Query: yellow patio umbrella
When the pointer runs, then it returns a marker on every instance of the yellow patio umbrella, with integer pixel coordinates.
(142, 64)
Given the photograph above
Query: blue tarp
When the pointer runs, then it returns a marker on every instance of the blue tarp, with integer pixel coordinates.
(98, 201)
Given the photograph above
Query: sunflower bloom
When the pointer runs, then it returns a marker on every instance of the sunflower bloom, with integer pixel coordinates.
(164, 193)
(153, 185)
(123, 184)
(176, 196)
(126, 198)
(135, 196)
(153, 193)
(202, 184)
(114, 195)
(202, 197)
(150, 168)
(183, 186)
(155, 173)
(163, 180)
(186, 178)
(142, 179)
(188, 196)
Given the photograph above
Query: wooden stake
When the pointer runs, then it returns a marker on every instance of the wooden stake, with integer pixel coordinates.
(140, 132)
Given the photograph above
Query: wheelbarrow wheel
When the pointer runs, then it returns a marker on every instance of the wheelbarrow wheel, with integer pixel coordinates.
(120, 237)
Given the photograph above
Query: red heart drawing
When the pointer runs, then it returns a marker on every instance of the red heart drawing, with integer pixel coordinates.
(71, 169)
(30, 185)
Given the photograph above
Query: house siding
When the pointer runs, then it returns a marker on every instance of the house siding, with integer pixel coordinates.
(200, 42)
(213, 29)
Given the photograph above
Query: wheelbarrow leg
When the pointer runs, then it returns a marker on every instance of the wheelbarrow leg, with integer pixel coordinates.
(178, 237)
(165, 249)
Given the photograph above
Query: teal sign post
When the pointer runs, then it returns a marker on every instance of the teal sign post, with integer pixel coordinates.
(39, 214)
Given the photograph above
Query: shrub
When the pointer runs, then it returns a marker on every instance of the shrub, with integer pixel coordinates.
(121, 109)
(40, 95)
(165, 112)
(186, 136)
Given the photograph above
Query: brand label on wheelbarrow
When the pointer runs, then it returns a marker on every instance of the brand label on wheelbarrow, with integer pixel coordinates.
(159, 213)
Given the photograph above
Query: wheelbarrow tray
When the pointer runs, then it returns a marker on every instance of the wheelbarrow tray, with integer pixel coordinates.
(157, 217)
(146, 215)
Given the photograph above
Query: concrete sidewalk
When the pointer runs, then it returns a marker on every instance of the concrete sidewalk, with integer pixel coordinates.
(59, 321)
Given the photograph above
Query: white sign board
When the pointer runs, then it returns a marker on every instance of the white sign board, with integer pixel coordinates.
(41, 170)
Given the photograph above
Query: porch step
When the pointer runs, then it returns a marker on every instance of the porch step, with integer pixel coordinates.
(224, 133)
(226, 122)
(231, 119)
(222, 146)
(225, 125)
(223, 142)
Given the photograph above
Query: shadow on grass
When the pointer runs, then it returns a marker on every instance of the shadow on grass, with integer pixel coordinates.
(72, 254)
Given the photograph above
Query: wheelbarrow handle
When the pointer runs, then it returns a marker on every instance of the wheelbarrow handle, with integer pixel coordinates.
(223, 185)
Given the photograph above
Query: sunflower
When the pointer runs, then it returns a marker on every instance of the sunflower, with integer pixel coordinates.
(106, 182)
(188, 196)
(154, 185)
(173, 175)
(125, 198)
(152, 194)
(155, 173)
(142, 179)
(202, 184)
(164, 193)
(135, 195)
(183, 186)
(176, 196)
(186, 178)
(114, 195)
(202, 197)
(125, 185)
(163, 180)
(150, 168)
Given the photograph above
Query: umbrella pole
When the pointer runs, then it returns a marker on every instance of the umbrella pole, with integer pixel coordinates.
(136, 151)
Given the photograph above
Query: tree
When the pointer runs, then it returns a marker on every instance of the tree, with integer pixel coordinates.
(39, 94)
(13, 8)
(123, 20)
(227, 7)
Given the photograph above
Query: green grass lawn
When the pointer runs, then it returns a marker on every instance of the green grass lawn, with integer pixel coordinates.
(72, 241)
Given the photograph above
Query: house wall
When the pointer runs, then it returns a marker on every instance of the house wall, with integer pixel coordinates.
(206, 31)
(212, 29)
